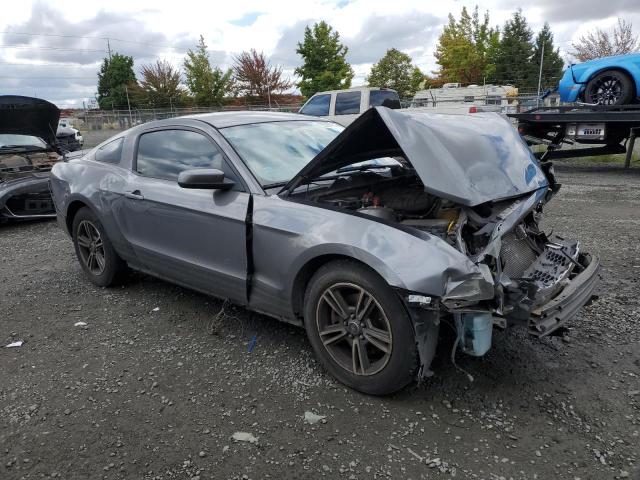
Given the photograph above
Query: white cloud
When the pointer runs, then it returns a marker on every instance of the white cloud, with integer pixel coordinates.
(168, 28)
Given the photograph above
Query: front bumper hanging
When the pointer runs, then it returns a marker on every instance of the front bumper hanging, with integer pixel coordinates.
(577, 292)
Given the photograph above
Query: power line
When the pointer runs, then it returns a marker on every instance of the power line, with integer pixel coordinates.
(37, 47)
(49, 78)
(87, 37)
(53, 64)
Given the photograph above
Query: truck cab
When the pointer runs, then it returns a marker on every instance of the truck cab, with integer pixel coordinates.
(344, 106)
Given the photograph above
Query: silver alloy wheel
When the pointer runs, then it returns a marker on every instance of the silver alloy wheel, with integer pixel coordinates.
(90, 247)
(354, 329)
(607, 90)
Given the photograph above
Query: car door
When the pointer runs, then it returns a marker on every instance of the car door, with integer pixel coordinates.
(195, 237)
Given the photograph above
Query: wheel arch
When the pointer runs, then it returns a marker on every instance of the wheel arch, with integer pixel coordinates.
(634, 75)
(72, 209)
(308, 269)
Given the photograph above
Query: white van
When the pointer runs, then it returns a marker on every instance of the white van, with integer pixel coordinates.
(344, 106)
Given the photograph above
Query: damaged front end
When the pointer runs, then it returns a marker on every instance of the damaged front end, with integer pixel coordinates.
(538, 281)
(468, 181)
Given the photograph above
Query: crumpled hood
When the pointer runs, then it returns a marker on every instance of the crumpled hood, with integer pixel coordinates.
(29, 116)
(469, 159)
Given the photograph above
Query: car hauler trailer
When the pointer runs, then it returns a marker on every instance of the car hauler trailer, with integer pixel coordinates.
(614, 128)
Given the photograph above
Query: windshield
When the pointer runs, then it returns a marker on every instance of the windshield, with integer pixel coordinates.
(276, 151)
(7, 139)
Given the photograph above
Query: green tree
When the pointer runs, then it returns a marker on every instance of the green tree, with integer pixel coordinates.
(552, 63)
(396, 71)
(116, 74)
(325, 65)
(418, 80)
(466, 48)
(514, 57)
(208, 85)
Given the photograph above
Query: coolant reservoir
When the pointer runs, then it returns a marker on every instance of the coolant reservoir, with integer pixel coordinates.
(477, 330)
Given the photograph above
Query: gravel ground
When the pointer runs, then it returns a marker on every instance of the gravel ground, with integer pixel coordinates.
(156, 384)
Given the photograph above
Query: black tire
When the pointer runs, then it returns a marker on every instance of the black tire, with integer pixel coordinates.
(386, 372)
(610, 87)
(106, 272)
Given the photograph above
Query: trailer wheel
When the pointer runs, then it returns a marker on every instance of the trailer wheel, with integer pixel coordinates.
(610, 87)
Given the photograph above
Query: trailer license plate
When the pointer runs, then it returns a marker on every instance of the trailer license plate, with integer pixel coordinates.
(586, 131)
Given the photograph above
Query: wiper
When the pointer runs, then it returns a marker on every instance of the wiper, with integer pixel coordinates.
(362, 168)
(13, 147)
(275, 185)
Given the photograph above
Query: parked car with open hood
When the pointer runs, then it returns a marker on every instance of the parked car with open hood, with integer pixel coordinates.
(611, 80)
(368, 236)
(28, 150)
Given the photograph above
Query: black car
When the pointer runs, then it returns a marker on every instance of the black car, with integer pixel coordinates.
(28, 151)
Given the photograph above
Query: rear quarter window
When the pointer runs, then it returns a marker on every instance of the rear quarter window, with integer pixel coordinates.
(384, 98)
(111, 152)
(318, 106)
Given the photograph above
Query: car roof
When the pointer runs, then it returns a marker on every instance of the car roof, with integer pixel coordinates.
(245, 117)
(227, 119)
(355, 89)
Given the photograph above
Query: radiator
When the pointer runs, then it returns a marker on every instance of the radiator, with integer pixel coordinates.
(516, 254)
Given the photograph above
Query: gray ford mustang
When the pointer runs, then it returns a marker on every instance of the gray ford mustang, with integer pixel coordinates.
(368, 236)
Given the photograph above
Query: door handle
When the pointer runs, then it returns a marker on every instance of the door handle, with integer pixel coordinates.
(135, 195)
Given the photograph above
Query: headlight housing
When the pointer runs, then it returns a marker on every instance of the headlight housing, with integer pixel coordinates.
(472, 289)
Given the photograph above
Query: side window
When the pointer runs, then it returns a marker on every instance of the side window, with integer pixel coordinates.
(348, 103)
(384, 98)
(166, 153)
(318, 106)
(111, 152)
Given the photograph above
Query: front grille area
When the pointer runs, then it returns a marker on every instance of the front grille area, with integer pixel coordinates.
(516, 254)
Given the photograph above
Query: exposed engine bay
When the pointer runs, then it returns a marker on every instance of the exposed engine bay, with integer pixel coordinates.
(24, 191)
(524, 268)
(395, 195)
(19, 164)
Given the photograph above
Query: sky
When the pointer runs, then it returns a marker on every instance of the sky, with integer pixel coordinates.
(53, 50)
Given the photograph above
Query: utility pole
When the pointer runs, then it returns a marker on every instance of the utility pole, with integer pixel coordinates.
(129, 105)
(109, 48)
(540, 75)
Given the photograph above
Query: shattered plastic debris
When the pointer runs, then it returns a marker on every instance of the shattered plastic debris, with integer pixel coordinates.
(157, 309)
(15, 344)
(244, 437)
(80, 324)
(311, 418)
(252, 343)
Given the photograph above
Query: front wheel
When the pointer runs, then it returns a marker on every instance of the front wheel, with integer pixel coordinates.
(359, 328)
(95, 253)
(610, 87)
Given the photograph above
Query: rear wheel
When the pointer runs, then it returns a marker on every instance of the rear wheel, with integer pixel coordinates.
(610, 87)
(359, 328)
(95, 253)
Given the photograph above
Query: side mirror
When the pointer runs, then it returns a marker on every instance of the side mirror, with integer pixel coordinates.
(205, 178)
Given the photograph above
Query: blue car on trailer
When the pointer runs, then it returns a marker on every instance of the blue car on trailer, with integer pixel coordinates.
(604, 81)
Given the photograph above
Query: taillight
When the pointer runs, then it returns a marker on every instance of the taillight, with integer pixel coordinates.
(473, 109)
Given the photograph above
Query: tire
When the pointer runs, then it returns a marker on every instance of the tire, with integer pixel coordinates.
(610, 87)
(95, 253)
(336, 292)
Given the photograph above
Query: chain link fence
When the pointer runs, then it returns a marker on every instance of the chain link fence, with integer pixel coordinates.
(98, 125)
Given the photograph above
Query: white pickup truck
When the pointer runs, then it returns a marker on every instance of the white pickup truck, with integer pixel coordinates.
(344, 106)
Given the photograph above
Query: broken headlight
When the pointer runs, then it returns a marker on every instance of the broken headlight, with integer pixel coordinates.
(471, 290)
